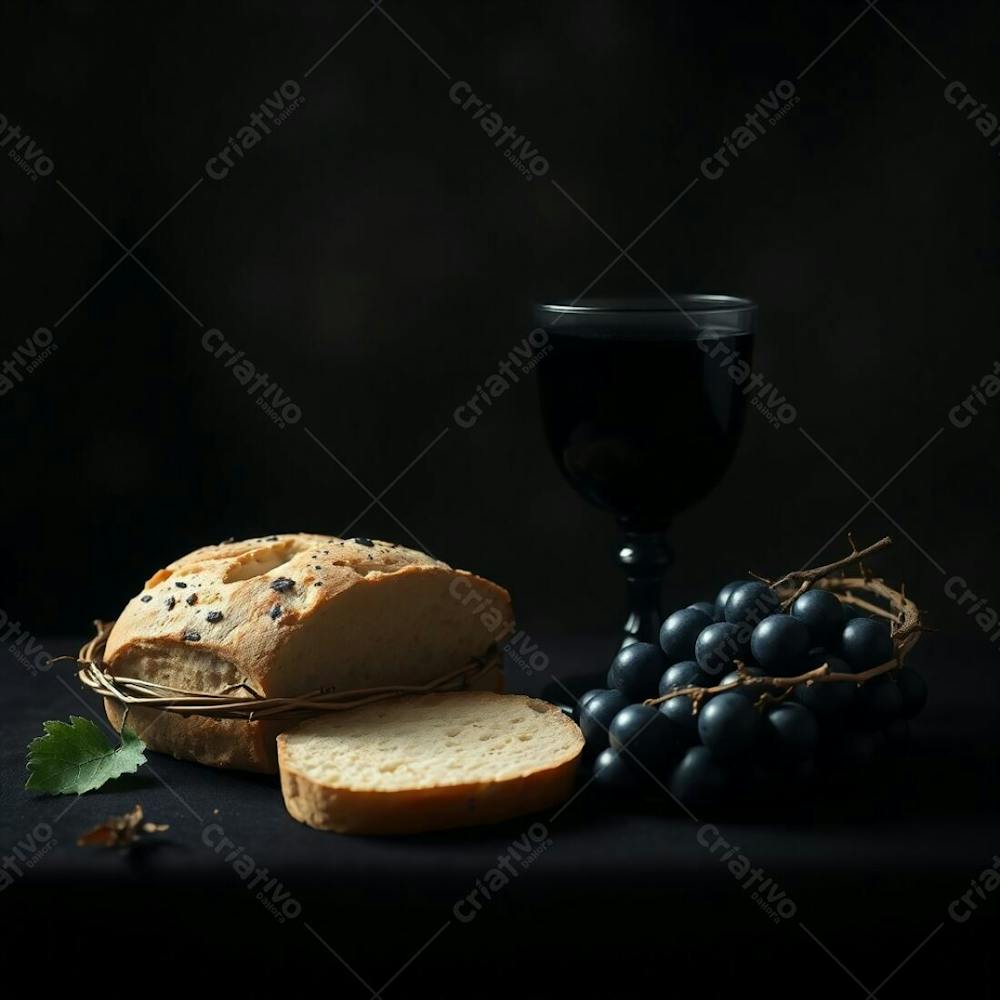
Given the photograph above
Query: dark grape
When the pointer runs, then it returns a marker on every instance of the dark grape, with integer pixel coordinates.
(913, 688)
(779, 643)
(637, 669)
(584, 698)
(791, 733)
(717, 647)
(878, 702)
(821, 613)
(751, 603)
(615, 776)
(830, 698)
(596, 716)
(645, 734)
(729, 726)
(723, 597)
(699, 778)
(850, 611)
(866, 643)
(679, 632)
(685, 721)
(685, 674)
(705, 607)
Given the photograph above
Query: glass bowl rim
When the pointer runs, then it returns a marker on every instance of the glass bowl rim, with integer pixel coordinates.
(680, 303)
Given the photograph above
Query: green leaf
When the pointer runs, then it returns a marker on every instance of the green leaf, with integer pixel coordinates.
(78, 758)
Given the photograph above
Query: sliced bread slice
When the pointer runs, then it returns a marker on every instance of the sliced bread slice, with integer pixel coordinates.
(428, 762)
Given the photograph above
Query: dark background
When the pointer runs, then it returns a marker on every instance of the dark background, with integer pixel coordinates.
(377, 256)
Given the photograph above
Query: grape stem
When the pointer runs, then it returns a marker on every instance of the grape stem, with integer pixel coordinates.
(793, 585)
(902, 614)
(820, 674)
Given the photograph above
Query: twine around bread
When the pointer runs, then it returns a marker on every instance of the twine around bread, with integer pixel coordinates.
(865, 591)
(251, 705)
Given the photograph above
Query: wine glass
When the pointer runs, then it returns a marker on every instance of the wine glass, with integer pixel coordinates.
(643, 402)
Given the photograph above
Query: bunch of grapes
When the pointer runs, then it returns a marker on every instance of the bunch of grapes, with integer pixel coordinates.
(704, 744)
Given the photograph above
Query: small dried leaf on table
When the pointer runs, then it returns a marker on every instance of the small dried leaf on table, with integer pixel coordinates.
(120, 831)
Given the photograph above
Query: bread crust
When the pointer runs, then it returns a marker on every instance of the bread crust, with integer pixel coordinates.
(237, 579)
(419, 810)
(249, 613)
(227, 743)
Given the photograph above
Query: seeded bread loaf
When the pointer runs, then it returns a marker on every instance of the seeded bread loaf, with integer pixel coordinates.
(428, 762)
(285, 615)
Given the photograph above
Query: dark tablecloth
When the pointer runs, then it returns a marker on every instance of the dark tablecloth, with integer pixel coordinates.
(855, 880)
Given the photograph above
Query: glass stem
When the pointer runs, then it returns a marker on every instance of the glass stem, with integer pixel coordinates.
(644, 558)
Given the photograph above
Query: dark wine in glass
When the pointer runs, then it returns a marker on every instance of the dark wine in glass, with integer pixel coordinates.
(643, 403)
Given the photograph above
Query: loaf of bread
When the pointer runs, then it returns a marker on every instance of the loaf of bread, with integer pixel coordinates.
(286, 615)
(428, 762)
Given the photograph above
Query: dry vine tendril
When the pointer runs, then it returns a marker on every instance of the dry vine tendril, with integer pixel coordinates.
(903, 617)
(240, 701)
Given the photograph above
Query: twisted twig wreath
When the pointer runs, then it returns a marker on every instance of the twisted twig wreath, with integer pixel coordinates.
(249, 704)
(864, 591)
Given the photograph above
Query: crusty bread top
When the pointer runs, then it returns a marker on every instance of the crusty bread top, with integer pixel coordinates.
(431, 741)
(233, 605)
